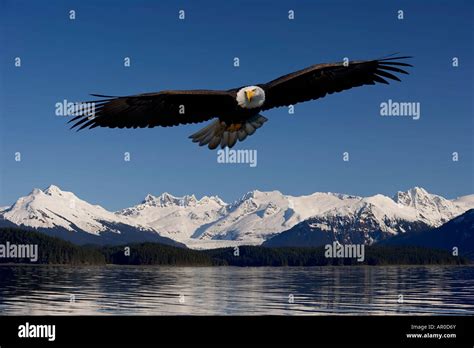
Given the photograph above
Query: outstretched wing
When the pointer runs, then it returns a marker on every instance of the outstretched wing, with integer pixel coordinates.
(318, 80)
(166, 108)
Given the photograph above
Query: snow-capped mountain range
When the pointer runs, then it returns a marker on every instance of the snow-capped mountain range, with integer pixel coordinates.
(63, 214)
(209, 222)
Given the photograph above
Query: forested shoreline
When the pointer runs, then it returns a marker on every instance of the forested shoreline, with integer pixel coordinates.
(53, 250)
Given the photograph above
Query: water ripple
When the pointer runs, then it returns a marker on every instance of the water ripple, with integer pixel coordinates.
(143, 290)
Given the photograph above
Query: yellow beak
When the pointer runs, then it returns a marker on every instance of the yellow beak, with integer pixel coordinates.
(249, 93)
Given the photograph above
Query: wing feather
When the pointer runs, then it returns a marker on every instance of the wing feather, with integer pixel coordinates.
(166, 108)
(319, 80)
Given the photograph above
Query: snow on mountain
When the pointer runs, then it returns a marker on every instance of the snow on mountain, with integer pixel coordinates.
(176, 217)
(259, 215)
(432, 209)
(60, 211)
(465, 202)
(254, 218)
(458, 232)
(371, 219)
(55, 208)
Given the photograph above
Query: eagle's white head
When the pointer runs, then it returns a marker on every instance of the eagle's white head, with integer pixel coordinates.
(250, 97)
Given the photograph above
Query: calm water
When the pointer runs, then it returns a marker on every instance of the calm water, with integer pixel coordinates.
(43, 290)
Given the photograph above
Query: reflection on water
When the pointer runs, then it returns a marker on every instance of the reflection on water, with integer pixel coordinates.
(148, 290)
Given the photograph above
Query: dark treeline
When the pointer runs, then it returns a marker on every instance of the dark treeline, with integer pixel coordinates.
(57, 251)
(374, 255)
(50, 250)
(155, 254)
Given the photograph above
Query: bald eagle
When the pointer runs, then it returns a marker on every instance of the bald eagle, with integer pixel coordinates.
(236, 111)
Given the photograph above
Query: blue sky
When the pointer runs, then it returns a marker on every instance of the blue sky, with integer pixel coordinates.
(297, 154)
